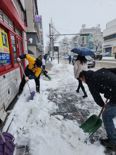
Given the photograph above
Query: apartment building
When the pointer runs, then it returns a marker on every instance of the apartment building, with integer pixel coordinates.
(91, 37)
(34, 28)
(109, 35)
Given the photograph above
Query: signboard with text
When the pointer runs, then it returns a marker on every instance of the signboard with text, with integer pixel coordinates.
(4, 48)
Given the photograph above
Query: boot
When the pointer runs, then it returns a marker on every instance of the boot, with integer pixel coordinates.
(85, 96)
(77, 91)
(37, 89)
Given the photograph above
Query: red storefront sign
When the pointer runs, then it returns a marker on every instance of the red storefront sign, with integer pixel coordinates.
(10, 10)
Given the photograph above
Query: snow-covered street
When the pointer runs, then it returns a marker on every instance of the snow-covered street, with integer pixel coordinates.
(49, 124)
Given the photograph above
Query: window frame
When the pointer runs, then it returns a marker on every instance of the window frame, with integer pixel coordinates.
(5, 68)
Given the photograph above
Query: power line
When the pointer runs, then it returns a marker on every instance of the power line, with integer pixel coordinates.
(65, 34)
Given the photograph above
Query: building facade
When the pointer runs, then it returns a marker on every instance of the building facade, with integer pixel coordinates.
(91, 38)
(34, 28)
(12, 44)
(109, 35)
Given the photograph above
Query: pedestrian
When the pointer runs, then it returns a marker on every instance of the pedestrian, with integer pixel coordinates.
(41, 58)
(32, 71)
(103, 81)
(44, 71)
(80, 65)
(70, 59)
(43, 63)
(45, 57)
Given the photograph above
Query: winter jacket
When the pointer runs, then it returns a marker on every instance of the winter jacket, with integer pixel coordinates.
(113, 70)
(30, 69)
(78, 67)
(102, 81)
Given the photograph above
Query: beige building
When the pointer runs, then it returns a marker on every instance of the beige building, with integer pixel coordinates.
(109, 35)
(91, 37)
(34, 28)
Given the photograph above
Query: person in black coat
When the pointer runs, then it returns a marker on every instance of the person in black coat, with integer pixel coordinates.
(70, 59)
(103, 81)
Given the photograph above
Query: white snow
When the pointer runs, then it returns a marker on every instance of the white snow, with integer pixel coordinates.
(51, 135)
(108, 58)
(114, 120)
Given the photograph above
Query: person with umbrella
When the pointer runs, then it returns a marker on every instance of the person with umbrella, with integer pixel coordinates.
(103, 81)
(80, 65)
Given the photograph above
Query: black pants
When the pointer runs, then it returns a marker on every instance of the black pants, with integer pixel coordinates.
(80, 85)
(23, 82)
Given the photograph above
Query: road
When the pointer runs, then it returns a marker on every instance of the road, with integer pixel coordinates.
(106, 63)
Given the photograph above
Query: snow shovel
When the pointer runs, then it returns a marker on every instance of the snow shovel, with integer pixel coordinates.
(92, 123)
(32, 93)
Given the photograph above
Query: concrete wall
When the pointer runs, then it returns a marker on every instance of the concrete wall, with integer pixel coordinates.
(30, 15)
(109, 31)
(9, 84)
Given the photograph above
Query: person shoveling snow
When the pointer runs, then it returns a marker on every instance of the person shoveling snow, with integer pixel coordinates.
(32, 71)
(104, 81)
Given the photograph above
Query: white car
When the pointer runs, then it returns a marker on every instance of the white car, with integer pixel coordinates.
(90, 62)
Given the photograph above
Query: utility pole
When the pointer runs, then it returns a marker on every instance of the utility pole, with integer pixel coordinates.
(50, 46)
(51, 36)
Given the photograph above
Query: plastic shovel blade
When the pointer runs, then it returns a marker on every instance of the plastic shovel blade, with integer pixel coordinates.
(91, 124)
(32, 94)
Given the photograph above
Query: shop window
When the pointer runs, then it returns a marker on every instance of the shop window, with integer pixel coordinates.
(1, 15)
(5, 19)
(13, 42)
(18, 32)
(113, 36)
(20, 47)
(11, 24)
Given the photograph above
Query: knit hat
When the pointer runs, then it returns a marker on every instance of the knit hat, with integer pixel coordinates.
(38, 62)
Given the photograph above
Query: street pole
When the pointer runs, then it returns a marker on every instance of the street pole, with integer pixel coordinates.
(51, 36)
(58, 56)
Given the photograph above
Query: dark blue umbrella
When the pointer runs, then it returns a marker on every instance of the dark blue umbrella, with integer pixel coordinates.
(83, 51)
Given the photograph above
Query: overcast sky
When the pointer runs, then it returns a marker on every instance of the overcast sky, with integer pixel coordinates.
(69, 15)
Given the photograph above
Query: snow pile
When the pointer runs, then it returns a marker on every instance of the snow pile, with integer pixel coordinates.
(33, 124)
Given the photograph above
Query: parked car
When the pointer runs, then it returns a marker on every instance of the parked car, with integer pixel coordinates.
(90, 62)
(98, 56)
(106, 54)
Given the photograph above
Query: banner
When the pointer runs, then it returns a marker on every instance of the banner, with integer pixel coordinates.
(4, 48)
